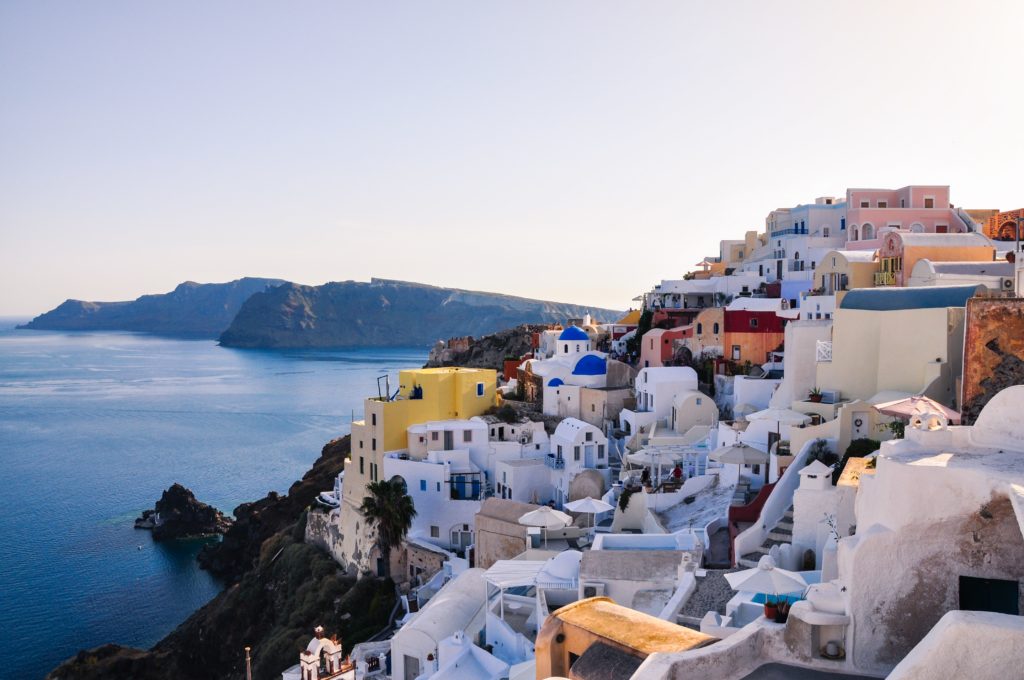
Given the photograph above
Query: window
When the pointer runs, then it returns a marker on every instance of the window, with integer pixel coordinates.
(825, 232)
(714, 328)
(842, 224)
(362, 465)
(903, 203)
(479, 389)
(883, 204)
(753, 323)
(575, 453)
(929, 202)
(865, 204)
(433, 436)
(360, 443)
(593, 408)
(700, 328)
(559, 450)
(699, 401)
(827, 315)
(600, 450)
(941, 228)
(423, 485)
(439, 486)
(590, 436)
(566, 349)
(467, 435)
(735, 352)
(373, 444)
(434, 531)
(373, 420)
(504, 476)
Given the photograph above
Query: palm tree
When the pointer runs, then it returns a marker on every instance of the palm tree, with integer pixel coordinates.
(390, 509)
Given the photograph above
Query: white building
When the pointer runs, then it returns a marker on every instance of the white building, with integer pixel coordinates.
(993, 275)
(656, 388)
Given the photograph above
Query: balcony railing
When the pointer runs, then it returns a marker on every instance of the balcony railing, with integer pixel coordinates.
(823, 351)
(553, 462)
(885, 278)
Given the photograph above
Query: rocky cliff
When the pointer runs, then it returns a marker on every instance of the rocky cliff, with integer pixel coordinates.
(178, 514)
(280, 588)
(383, 313)
(199, 310)
(489, 351)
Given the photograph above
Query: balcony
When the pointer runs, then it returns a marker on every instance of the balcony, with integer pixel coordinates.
(554, 462)
(885, 278)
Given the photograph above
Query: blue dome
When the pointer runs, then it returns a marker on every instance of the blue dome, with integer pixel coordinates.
(591, 364)
(573, 333)
(555, 382)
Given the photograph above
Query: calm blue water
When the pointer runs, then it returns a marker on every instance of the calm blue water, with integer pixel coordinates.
(93, 426)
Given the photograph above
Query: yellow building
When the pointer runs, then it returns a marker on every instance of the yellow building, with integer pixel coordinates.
(423, 395)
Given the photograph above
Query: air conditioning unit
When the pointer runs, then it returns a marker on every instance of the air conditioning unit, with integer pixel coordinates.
(831, 396)
(1005, 283)
(593, 589)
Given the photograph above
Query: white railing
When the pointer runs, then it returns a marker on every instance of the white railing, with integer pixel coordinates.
(823, 351)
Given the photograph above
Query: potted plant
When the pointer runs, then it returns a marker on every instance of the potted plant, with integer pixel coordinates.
(771, 607)
(782, 611)
(814, 395)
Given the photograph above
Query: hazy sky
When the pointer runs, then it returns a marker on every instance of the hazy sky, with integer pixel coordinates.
(575, 151)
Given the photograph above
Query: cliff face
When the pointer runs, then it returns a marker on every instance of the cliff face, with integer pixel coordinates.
(281, 589)
(383, 313)
(489, 351)
(199, 310)
(257, 521)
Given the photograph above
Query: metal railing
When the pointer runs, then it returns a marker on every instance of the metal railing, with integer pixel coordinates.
(555, 463)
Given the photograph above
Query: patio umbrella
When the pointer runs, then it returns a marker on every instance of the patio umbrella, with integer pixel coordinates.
(783, 416)
(910, 406)
(589, 505)
(766, 578)
(741, 454)
(545, 518)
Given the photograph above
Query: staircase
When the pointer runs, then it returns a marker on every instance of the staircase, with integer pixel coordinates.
(781, 533)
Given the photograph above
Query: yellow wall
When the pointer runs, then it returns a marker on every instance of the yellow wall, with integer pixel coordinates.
(911, 254)
(707, 318)
(859, 274)
(447, 393)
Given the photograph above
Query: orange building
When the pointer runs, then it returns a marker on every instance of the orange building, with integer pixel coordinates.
(1002, 226)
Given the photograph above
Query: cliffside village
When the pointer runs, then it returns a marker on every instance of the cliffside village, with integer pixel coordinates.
(801, 459)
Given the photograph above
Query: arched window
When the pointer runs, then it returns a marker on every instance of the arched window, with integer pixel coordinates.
(715, 328)
(796, 255)
(700, 328)
(868, 231)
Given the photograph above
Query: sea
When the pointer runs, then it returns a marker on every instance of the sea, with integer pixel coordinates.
(95, 425)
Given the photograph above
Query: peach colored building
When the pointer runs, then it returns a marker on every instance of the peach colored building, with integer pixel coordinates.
(900, 251)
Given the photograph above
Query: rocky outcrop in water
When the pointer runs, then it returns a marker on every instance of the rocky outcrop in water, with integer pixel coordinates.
(383, 313)
(178, 514)
(280, 589)
(192, 310)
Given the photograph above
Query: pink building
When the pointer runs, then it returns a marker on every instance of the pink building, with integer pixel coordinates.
(913, 209)
(656, 345)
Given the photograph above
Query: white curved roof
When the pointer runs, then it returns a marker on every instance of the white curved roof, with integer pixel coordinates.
(453, 608)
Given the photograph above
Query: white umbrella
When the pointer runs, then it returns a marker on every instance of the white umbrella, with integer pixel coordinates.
(766, 578)
(739, 454)
(589, 505)
(784, 416)
(546, 518)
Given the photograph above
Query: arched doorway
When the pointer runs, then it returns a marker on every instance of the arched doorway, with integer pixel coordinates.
(1007, 232)
(867, 231)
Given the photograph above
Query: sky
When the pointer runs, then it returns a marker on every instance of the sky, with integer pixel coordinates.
(569, 151)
